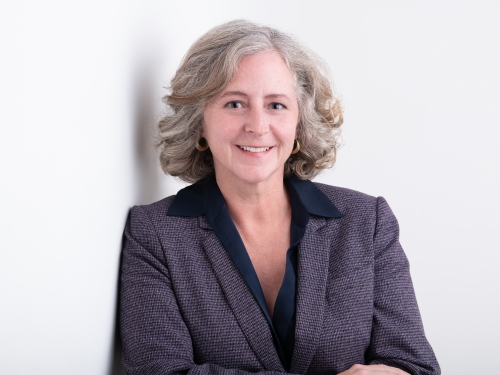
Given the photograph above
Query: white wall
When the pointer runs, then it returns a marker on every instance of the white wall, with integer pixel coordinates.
(80, 90)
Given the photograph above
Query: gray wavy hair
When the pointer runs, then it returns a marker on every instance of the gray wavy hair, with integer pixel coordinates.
(208, 67)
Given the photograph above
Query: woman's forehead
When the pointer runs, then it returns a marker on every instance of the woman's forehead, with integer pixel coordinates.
(268, 65)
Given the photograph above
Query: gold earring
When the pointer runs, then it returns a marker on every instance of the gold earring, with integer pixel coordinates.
(297, 147)
(200, 147)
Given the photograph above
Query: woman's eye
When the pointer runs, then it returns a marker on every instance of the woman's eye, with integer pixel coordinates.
(234, 105)
(276, 106)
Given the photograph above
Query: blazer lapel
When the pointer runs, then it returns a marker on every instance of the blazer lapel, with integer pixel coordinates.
(243, 304)
(313, 260)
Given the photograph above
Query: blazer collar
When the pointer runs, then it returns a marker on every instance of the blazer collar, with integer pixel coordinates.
(239, 297)
(205, 198)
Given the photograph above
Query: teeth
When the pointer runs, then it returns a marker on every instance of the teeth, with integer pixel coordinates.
(254, 149)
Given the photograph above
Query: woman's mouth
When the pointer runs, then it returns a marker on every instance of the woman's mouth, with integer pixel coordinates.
(254, 149)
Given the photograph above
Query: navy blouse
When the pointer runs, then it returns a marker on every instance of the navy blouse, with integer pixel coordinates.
(205, 198)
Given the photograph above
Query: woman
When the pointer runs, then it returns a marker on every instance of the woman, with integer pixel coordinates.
(254, 268)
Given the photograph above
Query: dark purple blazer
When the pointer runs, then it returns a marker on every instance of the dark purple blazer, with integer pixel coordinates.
(185, 308)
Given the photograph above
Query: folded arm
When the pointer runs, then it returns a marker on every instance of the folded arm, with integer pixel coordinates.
(398, 338)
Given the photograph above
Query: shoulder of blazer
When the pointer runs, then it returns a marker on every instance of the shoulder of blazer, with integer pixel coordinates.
(347, 200)
(156, 211)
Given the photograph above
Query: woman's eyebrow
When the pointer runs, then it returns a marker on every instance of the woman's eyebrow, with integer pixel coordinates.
(233, 93)
(277, 96)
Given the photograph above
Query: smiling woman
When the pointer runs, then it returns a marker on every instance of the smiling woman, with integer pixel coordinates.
(254, 268)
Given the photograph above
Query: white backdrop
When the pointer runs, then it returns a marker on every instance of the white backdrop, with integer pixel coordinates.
(80, 86)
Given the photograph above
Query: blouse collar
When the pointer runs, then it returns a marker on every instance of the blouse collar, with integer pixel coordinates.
(205, 198)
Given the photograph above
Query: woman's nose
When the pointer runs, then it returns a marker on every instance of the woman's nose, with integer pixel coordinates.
(257, 122)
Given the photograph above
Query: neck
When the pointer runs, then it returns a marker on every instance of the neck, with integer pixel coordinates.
(266, 201)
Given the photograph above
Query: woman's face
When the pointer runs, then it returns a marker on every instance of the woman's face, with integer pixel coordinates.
(251, 125)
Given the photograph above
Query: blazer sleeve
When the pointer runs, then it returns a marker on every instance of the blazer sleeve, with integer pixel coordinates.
(155, 339)
(398, 337)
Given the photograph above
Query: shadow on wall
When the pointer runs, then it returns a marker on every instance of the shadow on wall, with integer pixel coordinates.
(146, 83)
(146, 103)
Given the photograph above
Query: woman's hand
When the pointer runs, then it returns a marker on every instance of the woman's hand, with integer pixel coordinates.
(373, 370)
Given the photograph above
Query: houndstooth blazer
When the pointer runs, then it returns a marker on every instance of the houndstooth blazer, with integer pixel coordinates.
(184, 306)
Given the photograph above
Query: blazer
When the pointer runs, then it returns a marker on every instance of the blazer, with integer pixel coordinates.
(185, 307)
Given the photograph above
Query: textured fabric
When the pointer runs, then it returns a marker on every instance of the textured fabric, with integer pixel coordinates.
(204, 197)
(186, 309)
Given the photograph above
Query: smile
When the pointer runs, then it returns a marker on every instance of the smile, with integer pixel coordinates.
(254, 149)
